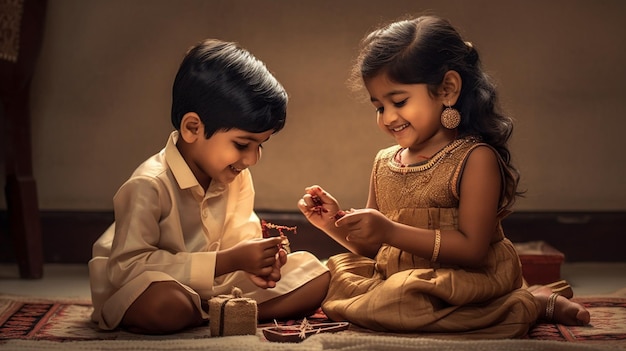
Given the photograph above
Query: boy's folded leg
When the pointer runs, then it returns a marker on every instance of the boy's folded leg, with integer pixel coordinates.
(301, 268)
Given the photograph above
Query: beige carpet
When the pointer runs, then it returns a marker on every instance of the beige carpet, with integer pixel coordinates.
(339, 341)
(28, 323)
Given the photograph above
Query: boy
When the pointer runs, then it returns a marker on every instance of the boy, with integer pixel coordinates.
(185, 229)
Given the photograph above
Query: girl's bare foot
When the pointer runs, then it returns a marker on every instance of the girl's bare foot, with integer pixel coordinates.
(565, 312)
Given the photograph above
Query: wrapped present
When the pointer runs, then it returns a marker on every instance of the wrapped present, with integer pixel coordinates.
(232, 314)
(541, 263)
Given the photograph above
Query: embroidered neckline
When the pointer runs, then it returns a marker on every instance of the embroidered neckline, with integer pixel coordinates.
(422, 166)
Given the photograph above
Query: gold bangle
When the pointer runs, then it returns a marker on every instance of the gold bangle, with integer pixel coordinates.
(550, 306)
(437, 245)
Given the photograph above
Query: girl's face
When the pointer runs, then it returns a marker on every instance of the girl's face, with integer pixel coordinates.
(225, 154)
(407, 112)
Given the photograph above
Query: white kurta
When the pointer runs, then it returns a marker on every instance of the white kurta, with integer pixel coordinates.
(168, 229)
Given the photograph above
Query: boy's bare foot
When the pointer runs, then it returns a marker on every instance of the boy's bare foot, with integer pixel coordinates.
(564, 311)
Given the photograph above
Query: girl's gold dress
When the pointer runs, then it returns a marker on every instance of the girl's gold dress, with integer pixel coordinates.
(401, 292)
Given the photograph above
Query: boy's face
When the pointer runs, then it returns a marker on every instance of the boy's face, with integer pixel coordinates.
(225, 154)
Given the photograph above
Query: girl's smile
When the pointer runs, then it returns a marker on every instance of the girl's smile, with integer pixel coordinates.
(400, 128)
(408, 112)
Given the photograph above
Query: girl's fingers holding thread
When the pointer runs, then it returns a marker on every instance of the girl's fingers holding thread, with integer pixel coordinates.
(313, 190)
(306, 201)
(349, 217)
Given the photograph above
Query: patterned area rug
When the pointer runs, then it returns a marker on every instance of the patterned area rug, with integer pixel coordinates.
(27, 323)
(608, 323)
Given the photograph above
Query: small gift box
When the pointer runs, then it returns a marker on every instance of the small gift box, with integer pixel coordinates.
(232, 314)
(541, 263)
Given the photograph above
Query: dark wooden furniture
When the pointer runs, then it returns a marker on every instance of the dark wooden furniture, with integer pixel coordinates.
(22, 25)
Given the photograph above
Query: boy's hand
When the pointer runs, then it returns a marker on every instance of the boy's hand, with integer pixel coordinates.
(319, 207)
(270, 280)
(256, 256)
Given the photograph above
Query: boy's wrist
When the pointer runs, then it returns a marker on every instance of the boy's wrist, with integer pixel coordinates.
(224, 262)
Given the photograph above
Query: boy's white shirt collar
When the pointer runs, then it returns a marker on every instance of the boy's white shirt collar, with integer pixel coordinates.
(183, 174)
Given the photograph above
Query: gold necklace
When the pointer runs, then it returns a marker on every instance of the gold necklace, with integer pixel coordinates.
(402, 168)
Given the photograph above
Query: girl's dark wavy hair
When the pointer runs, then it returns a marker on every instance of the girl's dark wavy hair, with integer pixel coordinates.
(422, 50)
(228, 88)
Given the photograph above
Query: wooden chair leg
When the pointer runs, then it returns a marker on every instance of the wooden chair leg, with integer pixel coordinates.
(25, 225)
(17, 64)
(20, 187)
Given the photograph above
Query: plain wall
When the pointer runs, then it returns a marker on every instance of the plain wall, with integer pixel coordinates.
(101, 92)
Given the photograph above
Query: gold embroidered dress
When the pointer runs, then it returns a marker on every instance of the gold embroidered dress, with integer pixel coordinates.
(401, 292)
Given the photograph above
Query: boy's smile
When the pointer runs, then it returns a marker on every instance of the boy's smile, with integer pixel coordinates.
(226, 154)
(236, 170)
(222, 156)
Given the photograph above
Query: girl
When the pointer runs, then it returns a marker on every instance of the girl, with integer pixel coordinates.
(428, 252)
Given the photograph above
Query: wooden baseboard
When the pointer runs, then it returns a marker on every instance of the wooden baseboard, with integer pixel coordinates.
(67, 235)
(581, 236)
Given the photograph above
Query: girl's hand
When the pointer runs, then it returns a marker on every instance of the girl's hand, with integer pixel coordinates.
(367, 227)
(319, 207)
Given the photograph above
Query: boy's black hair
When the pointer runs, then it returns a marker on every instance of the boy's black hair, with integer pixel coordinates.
(228, 88)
